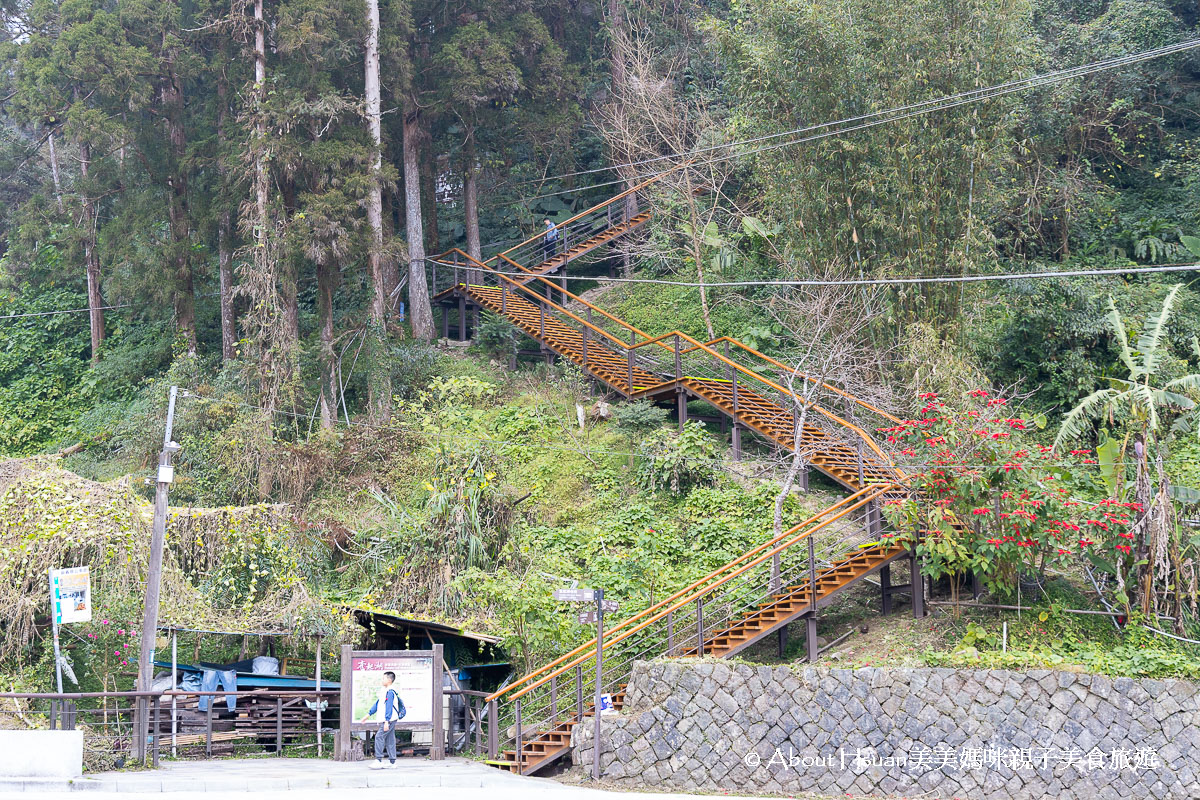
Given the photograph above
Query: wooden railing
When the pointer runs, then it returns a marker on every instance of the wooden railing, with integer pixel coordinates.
(472, 271)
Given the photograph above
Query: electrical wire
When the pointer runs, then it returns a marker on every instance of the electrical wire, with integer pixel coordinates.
(454, 437)
(899, 113)
(64, 311)
(919, 279)
(1019, 83)
(911, 279)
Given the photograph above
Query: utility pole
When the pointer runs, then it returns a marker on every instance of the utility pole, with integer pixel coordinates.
(599, 680)
(166, 474)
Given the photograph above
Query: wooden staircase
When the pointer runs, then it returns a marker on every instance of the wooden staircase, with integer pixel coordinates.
(794, 602)
(546, 746)
(599, 239)
(636, 365)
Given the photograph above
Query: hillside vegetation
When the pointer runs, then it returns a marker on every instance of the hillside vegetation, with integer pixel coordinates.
(254, 221)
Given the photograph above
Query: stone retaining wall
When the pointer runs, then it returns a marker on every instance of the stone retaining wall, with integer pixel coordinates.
(979, 734)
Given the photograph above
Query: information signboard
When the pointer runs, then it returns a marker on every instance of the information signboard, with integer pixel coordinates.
(71, 595)
(418, 682)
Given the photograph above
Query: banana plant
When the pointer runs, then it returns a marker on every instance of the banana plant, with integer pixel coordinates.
(1138, 398)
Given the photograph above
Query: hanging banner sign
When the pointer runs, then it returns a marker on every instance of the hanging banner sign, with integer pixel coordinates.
(71, 594)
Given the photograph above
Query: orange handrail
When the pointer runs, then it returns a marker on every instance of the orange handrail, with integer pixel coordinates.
(608, 202)
(865, 496)
(677, 594)
(782, 366)
(658, 340)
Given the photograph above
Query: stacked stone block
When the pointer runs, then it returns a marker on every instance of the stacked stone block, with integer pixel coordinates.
(984, 734)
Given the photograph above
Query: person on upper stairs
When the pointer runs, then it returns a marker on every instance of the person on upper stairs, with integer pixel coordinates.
(550, 243)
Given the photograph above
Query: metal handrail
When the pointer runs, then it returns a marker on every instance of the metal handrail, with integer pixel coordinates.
(864, 496)
(750, 553)
(660, 342)
(608, 202)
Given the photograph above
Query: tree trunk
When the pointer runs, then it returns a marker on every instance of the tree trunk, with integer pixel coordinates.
(391, 269)
(326, 278)
(1142, 495)
(225, 232)
(428, 184)
(54, 175)
(287, 270)
(420, 311)
(264, 266)
(177, 213)
(617, 67)
(471, 196)
(91, 259)
(379, 387)
(260, 130)
(698, 252)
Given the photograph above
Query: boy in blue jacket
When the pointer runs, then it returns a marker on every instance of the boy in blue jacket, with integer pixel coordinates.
(386, 735)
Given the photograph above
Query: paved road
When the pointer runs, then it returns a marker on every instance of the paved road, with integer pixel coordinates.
(312, 779)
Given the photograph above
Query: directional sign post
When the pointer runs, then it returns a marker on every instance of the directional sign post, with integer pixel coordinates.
(575, 595)
(586, 618)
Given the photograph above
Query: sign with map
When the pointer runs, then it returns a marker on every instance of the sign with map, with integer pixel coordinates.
(71, 594)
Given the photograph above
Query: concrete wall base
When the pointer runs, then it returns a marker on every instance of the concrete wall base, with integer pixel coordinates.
(41, 754)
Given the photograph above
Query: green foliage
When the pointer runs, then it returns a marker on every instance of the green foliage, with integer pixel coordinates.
(639, 417)
(1141, 399)
(43, 363)
(678, 461)
(994, 503)
(496, 335)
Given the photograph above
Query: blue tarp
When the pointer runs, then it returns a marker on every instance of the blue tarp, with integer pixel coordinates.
(251, 680)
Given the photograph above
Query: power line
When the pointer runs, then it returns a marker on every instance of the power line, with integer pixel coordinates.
(914, 279)
(899, 113)
(1019, 83)
(64, 311)
(918, 279)
(454, 437)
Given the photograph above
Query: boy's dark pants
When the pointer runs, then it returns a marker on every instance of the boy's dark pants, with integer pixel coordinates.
(389, 739)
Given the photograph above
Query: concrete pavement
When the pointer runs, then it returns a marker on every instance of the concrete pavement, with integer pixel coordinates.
(312, 779)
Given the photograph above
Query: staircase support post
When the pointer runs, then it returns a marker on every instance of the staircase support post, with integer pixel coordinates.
(585, 338)
(782, 640)
(700, 627)
(812, 576)
(445, 321)
(814, 647)
(670, 632)
(504, 297)
(681, 407)
(542, 324)
(885, 589)
(579, 692)
(629, 358)
(554, 701)
(462, 318)
(678, 366)
(918, 587)
(737, 440)
(859, 447)
(874, 521)
(493, 729)
(517, 712)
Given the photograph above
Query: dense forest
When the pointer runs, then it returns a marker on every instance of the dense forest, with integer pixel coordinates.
(241, 201)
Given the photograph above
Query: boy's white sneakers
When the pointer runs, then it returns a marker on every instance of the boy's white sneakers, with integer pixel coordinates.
(394, 765)
(376, 764)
